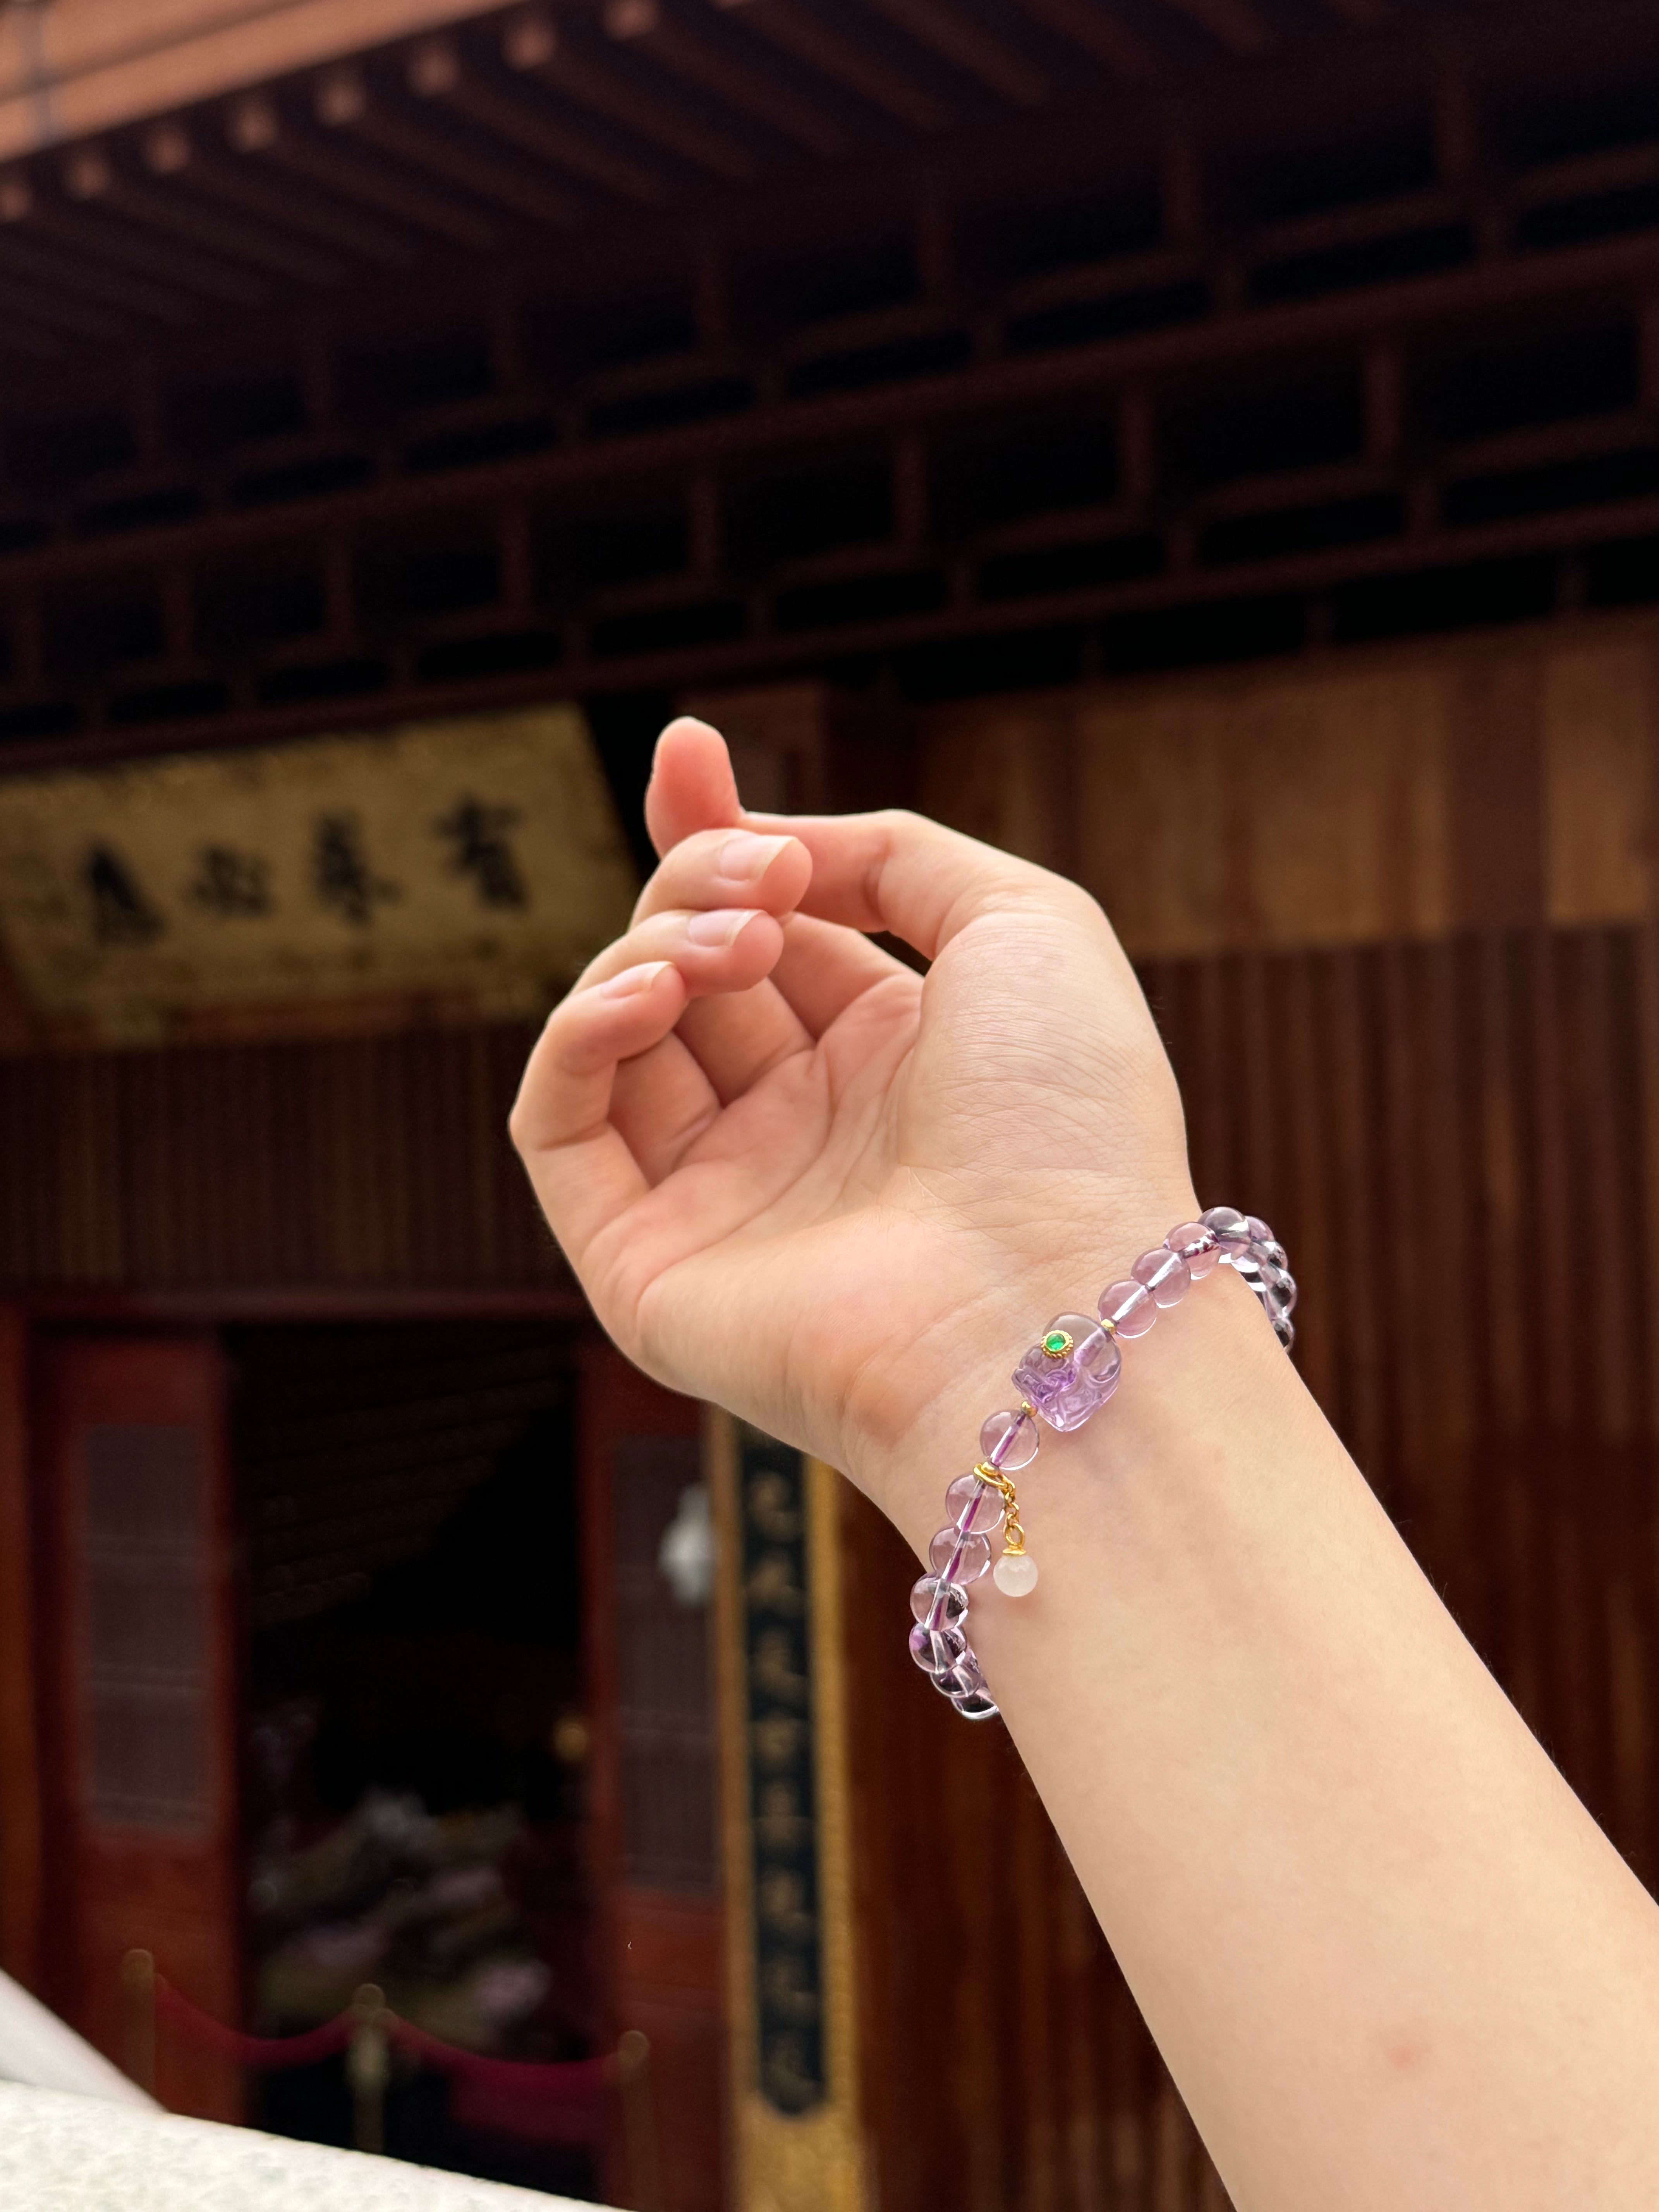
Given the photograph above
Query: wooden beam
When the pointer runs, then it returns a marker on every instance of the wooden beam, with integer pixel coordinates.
(577, 76)
(1233, 24)
(372, 121)
(88, 222)
(45, 326)
(808, 39)
(1099, 33)
(257, 133)
(545, 136)
(110, 61)
(21, 1842)
(976, 52)
(182, 215)
(649, 27)
(70, 280)
(286, 206)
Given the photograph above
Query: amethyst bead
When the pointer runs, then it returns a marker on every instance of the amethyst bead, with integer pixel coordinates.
(952, 1603)
(976, 1707)
(1129, 1307)
(975, 1507)
(1277, 1291)
(1231, 1230)
(1071, 1373)
(958, 1558)
(936, 1649)
(962, 1680)
(1164, 1273)
(1009, 1440)
(1197, 1246)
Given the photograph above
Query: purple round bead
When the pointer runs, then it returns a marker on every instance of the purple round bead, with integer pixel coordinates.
(1232, 1230)
(1165, 1275)
(1009, 1440)
(1277, 1291)
(974, 1705)
(975, 1507)
(1197, 1246)
(1260, 1232)
(936, 1649)
(964, 1680)
(924, 1595)
(1129, 1307)
(958, 1558)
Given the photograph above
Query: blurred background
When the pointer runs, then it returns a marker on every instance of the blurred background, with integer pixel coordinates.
(1210, 447)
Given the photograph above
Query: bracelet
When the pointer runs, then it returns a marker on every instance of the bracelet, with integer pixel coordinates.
(1064, 1380)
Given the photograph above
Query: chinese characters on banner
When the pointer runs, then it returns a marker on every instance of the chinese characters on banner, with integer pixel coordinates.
(777, 1641)
(786, 1791)
(476, 864)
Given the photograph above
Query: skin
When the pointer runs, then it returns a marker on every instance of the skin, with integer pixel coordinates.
(1390, 1960)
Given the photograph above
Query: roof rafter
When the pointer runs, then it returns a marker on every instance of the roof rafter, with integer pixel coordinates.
(967, 47)
(670, 42)
(438, 73)
(1098, 33)
(1235, 24)
(344, 104)
(536, 46)
(257, 132)
(807, 38)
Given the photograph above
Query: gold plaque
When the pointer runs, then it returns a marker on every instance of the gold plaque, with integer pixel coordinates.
(477, 862)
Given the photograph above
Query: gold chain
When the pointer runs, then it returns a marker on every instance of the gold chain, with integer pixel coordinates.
(1013, 1541)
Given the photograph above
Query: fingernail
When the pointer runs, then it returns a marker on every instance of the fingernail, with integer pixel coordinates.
(744, 857)
(720, 927)
(634, 980)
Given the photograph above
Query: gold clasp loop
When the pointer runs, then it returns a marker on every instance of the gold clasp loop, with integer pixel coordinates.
(1014, 1536)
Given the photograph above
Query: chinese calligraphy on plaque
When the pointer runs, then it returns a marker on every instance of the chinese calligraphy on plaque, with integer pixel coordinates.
(477, 861)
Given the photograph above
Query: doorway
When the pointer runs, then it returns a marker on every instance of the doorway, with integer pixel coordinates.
(413, 1733)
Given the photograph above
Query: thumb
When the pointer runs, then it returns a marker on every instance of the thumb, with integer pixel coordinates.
(692, 787)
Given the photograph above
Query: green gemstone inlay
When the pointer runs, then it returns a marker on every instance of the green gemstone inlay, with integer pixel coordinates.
(1057, 1342)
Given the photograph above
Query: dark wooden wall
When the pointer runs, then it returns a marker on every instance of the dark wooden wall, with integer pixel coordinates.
(1459, 1142)
(333, 1163)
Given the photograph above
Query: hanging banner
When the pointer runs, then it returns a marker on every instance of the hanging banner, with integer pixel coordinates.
(789, 1886)
(476, 864)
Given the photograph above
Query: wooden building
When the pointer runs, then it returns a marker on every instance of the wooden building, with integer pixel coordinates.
(1211, 445)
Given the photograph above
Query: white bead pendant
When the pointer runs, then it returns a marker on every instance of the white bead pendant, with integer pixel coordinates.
(1015, 1574)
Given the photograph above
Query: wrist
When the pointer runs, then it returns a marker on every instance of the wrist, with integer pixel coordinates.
(918, 1425)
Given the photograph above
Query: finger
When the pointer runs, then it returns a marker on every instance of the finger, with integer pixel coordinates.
(582, 1172)
(824, 968)
(661, 1104)
(725, 949)
(692, 787)
(891, 871)
(900, 873)
(727, 867)
(737, 1028)
(738, 1039)
(690, 807)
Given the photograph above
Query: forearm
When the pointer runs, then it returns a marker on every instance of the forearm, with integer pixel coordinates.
(1389, 1957)
(1391, 1961)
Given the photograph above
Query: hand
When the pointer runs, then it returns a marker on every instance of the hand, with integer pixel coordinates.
(797, 1178)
